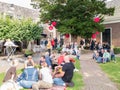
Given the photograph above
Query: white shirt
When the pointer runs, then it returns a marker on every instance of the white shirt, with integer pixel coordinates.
(46, 75)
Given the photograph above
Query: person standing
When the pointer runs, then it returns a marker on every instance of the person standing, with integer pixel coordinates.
(56, 42)
(53, 43)
(49, 47)
(82, 42)
(92, 45)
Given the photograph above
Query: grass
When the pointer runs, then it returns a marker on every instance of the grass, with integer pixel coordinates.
(113, 71)
(77, 78)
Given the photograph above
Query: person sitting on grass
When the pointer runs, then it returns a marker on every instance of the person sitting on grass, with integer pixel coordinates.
(48, 60)
(95, 54)
(10, 78)
(28, 77)
(11, 72)
(106, 56)
(61, 58)
(45, 78)
(64, 76)
(112, 54)
(53, 58)
(29, 61)
(98, 58)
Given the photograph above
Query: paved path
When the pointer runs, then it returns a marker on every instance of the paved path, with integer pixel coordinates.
(4, 64)
(93, 76)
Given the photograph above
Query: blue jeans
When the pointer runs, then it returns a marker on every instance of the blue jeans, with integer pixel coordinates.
(112, 57)
(59, 82)
(99, 59)
(26, 84)
(106, 60)
(94, 56)
(78, 57)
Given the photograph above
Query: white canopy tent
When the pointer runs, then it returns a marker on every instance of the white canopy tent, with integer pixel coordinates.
(10, 48)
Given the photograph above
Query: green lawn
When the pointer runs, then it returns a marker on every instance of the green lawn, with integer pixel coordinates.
(77, 79)
(113, 71)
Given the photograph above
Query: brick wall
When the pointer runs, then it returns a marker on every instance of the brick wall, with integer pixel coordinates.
(115, 33)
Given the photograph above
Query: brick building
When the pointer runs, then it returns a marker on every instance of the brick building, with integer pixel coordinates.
(112, 25)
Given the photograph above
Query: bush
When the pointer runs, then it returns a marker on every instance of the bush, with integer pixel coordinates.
(37, 66)
(59, 49)
(117, 50)
(28, 52)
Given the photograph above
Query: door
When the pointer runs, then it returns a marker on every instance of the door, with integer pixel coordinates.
(106, 36)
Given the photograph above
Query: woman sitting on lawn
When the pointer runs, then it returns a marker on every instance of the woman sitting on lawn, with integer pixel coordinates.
(10, 78)
(11, 72)
(106, 56)
(28, 77)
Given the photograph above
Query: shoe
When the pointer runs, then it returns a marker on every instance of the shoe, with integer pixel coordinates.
(76, 70)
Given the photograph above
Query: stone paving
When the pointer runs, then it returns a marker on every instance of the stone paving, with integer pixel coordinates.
(4, 64)
(93, 76)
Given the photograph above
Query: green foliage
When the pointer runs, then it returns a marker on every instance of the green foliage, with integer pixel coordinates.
(117, 50)
(38, 66)
(113, 71)
(59, 49)
(75, 16)
(19, 30)
(28, 52)
(1, 77)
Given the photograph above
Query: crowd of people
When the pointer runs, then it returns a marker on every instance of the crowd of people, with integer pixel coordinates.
(72, 48)
(103, 53)
(54, 70)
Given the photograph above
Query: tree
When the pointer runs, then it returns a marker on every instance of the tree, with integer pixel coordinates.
(19, 30)
(75, 16)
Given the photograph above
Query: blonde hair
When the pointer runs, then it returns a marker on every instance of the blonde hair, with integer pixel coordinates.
(29, 57)
(14, 63)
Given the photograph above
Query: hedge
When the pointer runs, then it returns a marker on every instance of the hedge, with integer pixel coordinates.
(117, 50)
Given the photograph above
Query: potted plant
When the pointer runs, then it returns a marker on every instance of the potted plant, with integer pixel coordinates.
(59, 49)
(28, 52)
